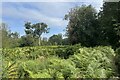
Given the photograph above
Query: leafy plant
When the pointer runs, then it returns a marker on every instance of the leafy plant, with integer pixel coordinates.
(57, 62)
(10, 70)
(95, 62)
(117, 61)
(68, 51)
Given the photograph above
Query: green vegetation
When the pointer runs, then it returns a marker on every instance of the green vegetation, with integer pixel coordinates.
(85, 26)
(59, 62)
(91, 48)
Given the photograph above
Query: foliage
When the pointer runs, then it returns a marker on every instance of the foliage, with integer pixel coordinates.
(108, 17)
(117, 60)
(10, 70)
(28, 52)
(26, 41)
(86, 27)
(8, 39)
(65, 53)
(90, 28)
(36, 30)
(56, 39)
(95, 62)
(83, 26)
(75, 62)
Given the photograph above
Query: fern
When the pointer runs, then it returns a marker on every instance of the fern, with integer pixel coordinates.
(10, 70)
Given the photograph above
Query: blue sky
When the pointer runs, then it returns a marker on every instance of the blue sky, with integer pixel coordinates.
(15, 14)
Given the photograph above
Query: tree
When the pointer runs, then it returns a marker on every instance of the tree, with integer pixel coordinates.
(26, 41)
(4, 35)
(40, 28)
(65, 41)
(36, 30)
(8, 38)
(56, 39)
(83, 26)
(109, 19)
(44, 41)
(14, 39)
(14, 35)
(28, 28)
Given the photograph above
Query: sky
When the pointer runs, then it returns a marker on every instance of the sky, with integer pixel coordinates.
(15, 14)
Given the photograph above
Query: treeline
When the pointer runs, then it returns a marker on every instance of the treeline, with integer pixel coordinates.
(90, 28)
(85, 26)
(31, 38)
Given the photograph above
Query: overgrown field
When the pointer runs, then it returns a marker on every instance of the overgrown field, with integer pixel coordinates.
(60, 62)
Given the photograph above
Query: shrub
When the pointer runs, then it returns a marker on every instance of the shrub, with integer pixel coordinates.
(117, 60)
(66, 52)
(95, 62)
(62, 62)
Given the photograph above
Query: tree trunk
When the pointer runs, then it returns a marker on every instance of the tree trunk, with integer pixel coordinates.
(39, 41)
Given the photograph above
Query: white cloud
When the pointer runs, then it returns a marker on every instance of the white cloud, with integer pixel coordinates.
(56, 9)
(31, 15)
(51, 0)
(50, 13)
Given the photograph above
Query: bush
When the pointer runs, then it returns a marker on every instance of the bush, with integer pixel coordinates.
(95, 62)
(62, 62)
(117, 60)
(66, 52)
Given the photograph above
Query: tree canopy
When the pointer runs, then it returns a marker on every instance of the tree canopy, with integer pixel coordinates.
(36, 30)
(83, 26)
